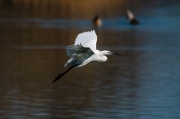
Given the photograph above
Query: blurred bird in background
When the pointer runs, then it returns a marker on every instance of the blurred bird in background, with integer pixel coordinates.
(97, 22)
(131, 17)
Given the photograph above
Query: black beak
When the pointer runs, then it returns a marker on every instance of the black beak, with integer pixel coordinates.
(115, 53)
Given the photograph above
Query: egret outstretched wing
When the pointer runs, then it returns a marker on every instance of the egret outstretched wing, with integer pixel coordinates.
(78, 54)
(75, 51)
(87, 39)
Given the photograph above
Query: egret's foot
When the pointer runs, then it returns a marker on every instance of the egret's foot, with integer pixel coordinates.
(57, 77)
(60, 75)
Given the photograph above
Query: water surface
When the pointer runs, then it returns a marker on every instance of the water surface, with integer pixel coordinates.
(143, 83)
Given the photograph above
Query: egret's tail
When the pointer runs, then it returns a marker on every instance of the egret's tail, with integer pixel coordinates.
(60, 75)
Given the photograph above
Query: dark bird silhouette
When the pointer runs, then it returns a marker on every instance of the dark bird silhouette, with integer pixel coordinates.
(131, 18)
(97, 22)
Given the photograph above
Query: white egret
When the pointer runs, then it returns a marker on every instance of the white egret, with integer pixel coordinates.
(131, 18)
(84, 51)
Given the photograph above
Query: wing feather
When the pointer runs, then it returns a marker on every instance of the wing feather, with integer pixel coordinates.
(87, 39)
(78, 54)
(75, 51)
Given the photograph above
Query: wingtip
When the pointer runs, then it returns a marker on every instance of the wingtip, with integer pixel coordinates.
(91, 31)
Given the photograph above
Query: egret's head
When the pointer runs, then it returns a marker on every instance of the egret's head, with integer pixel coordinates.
(105, 52)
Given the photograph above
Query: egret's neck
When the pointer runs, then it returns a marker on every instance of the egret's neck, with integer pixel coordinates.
(102, 56)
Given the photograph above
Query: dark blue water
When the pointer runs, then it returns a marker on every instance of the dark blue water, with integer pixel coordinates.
(143, 83)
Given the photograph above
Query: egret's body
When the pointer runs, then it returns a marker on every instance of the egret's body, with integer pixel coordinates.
(99, 56)
(84, 51)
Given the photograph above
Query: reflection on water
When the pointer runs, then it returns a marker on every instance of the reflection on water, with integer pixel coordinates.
(143, 83)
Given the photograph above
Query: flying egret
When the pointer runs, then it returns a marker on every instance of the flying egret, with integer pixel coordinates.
(131, 18)
(84, 51)
(97, 22)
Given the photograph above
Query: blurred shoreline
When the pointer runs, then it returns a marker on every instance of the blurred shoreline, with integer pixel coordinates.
(66, 8)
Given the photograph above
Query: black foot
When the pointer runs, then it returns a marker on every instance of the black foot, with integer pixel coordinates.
(58, 77)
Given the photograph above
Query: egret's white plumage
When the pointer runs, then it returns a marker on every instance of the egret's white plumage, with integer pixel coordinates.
(84, 51)
(87, 39)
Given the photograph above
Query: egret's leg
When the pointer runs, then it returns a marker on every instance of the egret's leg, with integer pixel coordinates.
(60, 75)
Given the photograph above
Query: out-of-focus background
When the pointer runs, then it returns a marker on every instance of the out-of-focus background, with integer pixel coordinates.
(143, 83)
